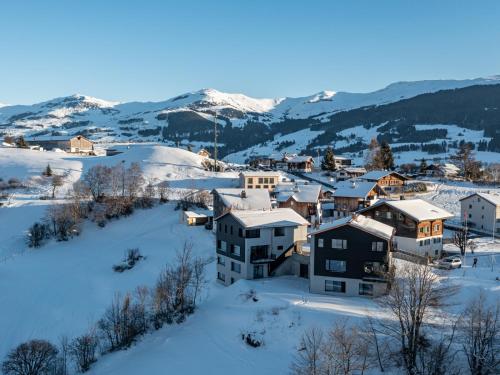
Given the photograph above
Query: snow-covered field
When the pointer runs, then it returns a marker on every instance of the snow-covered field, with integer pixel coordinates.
(62, 288)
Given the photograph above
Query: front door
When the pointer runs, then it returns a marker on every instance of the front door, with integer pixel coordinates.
(258, 272)
(304, 271)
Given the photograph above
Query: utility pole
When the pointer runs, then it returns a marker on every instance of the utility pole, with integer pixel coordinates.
(215, 141)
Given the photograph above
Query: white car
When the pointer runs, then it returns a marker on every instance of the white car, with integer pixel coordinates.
(450, 263)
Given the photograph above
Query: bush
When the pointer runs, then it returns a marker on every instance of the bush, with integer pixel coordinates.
(35, 357)
(83, 349)
(252, 339)
(131, 258)
(37, 233)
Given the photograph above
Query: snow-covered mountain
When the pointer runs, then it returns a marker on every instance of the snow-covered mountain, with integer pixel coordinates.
(244, 122)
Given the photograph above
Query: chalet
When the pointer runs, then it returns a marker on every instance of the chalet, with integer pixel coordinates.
(259, 180)
(390, 181)
(481, 211)
(348, 173)
(298, 163)
(343, 162)
(418, 224)
(265, 161)
(352, 195)
(203, 152)
(445, 170)
(77, 144)
(302, 198)
(351, 257)
(238, 199)
(253, 244)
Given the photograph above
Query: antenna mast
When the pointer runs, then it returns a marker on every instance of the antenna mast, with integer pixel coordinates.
(215, 141)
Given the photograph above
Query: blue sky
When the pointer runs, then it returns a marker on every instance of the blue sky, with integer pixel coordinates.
(153, 50)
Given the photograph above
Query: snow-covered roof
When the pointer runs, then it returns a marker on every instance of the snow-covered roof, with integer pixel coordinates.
(354, 169)
(279, 217)
(360, 222)
(418, 209)
(342, 158)
(377, 175)
(192, 214)
(50, 138)
(255, 199)
(259, 174)
(492, 198)
(307, 193)
(299, 159)
(353, 188)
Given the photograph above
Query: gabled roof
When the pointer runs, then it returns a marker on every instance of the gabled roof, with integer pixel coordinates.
(417, 209)
(354, 188)
(46, 138)
(377, 175)
(360, 222)
(299, 159)
(256, 199)
(279, 217)
(353, 169)
(492, 198)
(306, 193)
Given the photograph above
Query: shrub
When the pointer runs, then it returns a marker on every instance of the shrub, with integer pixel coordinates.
(37, 233)
(252, 339)
(83, 349)
(35, 357)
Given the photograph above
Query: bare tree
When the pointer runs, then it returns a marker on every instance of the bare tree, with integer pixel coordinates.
(83, 349)
(35, 357)
(413, 293)
(480, 336)
(308, 360)
(56, 181)
(134, 180)
(97, 179)
(462, 241)
(164, 191)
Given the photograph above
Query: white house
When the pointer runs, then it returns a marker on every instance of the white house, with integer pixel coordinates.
(481, 211)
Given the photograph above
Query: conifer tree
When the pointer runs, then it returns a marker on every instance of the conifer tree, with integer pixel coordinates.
(423, 165)
(386, 157)
(328, 162)
(48, 171)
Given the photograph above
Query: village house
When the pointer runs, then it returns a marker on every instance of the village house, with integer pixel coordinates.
(418, 224)
(302, 198)
(77, 144)
(343, 162)
(297, 163)
(238, 199)
(348, 173)
(253, 244)
(351, 257)
(259, 180)
(198, 217)
(481, 211)
(445, 170)
(352, 195)
(391, 182)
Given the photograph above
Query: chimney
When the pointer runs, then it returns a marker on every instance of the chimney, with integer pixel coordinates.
(353, 184)
(243, 194)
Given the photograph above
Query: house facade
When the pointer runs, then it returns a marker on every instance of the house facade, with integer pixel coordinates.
(351, 257)
(481, 211)
(348, 173)
(302, 198)
(300, 163)
(259, 180)
(253, 244)
(343, 162)
(391, 182)
(352, 195)
(418, 224)
(74, 144)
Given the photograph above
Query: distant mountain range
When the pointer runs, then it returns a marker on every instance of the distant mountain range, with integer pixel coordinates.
(424, 116)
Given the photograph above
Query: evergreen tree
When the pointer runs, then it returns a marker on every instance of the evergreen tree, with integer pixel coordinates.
(48, 171)
(423, 165)
(328, 162)
(386, 157)
(372, 160)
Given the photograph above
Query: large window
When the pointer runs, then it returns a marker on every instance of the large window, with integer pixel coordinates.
(235, 250)
(279, 232)
(252, 233)
(335, 265)
(339, 244)
(320, 242)
(377, 246)
(334, 286)
(365, 289)
(221, 276)
(221, 245)
(236, 267)
(221, 261)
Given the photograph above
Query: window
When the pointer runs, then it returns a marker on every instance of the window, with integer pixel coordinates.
(470, 215)
(252, 233)
(470, 205)
(220, 227)
(221, 261)
(334, 286)
(365, 289)
(231, 229)
(232, 280)
(280, 247)
(235, 250)
(436, 227)
(221, 276)
(236, 267)
(401, 217)
(271, 180)
(424, 229)
(377, 246)
(250, 187)
(320, 242)
(218, 244)
(437, 240)
(266, 180)
(250, 180)
(257, 186)
(339, 244)
(335, 265)
(266, 186)
(221, 245)
(261, 180)
(279, 232)
(225, 228)
(240, 232)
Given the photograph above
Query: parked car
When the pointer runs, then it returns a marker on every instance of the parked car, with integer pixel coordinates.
(450, 263)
